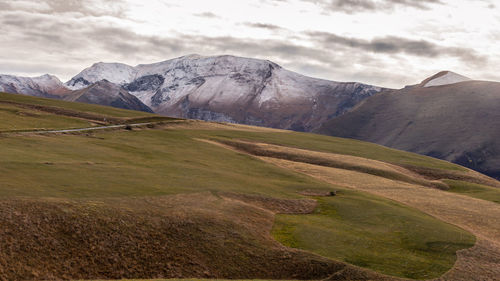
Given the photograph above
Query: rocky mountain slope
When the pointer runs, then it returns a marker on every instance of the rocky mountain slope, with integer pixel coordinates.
(447, 116)
(106, 93)
(231, 89)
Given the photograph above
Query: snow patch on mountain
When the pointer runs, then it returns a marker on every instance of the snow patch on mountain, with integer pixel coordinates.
(229, 88)
(447, 78)
(117, 73)
(37, 86)
(218, 79)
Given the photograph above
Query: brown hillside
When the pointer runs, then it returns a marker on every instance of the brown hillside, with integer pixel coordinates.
(181, 236)
(457, 122)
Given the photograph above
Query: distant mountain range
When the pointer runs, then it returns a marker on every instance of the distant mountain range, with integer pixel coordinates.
(220, 88)
(448, 116)
(102, 92)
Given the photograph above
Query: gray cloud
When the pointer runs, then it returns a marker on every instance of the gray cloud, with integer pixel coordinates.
(263, 26)
(59, 7)
(421, 4)
(354, 6)
(53, 34)
(81, 43)
(395, 45)
(163, 47)
(78, 40)
(64, 40)
(207, 15)
(34, 67)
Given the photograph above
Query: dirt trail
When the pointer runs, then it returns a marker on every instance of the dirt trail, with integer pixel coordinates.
(480, 217)
(77, 129)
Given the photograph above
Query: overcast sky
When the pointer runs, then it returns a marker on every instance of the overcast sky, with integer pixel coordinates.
(388, 43)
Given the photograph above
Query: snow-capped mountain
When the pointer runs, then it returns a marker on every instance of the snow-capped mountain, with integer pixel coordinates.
(231, 89)
(42, 86)
(117, 73)
(444, 78)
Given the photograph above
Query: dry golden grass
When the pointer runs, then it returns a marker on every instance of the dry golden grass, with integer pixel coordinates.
(354, 163)
(203, 125)
(411, 174)
(344, 159)
(480, 262)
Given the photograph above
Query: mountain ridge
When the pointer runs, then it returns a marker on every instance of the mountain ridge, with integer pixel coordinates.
(229, 89)
(235, 89)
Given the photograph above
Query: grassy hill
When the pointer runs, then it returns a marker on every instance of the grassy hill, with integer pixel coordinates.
(25, 113)
(191, 199)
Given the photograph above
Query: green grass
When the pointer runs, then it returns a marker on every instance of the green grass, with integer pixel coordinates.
(149, 162)
(376, 233)
(13, 118)
(135, 163)
(354, 227)
(17, 114)
(474, 190)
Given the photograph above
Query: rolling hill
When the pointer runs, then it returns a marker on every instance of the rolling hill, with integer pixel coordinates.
(447, 116)
(173, 198)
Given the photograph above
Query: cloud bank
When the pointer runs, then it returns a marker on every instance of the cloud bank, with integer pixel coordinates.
(63, 37)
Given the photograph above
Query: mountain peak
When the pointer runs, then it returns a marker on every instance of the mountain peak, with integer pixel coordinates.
(118, 73)
(444, 78)
(193, 56)
(47, 78)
